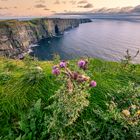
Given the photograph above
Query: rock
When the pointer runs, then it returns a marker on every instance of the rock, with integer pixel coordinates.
(16, 36)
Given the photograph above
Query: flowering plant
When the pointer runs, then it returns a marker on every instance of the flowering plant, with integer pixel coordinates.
(72, 97)
(73, 75)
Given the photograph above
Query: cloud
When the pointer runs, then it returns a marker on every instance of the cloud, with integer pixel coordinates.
(123, 10)
(136, 9)
(73, 2)
(46, 9)
(106, 10)
(88, 5)
(28, 8)
(53, 11)
(40, 6)
(40, 1)
(3, 8)
(6, 8)
(82, 2)
(60, 2)
(126, 10)
(64, 2)
(57, 2)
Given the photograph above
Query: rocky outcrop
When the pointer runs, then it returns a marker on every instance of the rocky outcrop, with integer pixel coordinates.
(16, 36)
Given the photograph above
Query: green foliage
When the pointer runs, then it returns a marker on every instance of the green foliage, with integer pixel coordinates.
(128, 58)
(56, 58)
(4, 78)
(66, 109)
(31, 125)
(127, 96)
(30, 61)
(110, 123)
(34, 105)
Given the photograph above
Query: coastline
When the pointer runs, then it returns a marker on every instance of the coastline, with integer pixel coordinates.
(16, 36)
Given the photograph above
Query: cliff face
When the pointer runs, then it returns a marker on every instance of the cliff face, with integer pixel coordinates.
(16, 36)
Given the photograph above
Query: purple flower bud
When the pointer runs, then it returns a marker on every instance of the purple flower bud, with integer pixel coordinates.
(75, 75)
(56, 71)
(81, 63)
(63, 64)
(54, 67)
(93, 84)
(21, 56)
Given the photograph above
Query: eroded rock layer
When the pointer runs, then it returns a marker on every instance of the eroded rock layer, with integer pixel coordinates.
(16, 36)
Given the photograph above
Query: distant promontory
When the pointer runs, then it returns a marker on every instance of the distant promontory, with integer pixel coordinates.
(16, 36)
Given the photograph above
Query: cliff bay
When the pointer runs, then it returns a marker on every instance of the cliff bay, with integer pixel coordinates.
(16, 36)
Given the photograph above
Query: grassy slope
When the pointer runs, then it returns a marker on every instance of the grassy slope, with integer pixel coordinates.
(19, 88)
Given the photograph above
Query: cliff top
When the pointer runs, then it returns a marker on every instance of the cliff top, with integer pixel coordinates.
(13, 22)
(26, 87)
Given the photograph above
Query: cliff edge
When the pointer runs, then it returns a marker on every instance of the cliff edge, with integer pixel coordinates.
(16, 36)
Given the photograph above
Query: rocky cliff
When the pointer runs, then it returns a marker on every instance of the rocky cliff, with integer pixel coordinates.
(16, 36)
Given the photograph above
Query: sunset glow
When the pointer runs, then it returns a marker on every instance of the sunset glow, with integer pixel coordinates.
(48, 7)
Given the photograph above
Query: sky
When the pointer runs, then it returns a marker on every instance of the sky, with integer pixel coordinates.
(29, 8)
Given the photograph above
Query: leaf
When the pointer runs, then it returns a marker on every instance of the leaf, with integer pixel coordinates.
(19, 138)
(37, 106)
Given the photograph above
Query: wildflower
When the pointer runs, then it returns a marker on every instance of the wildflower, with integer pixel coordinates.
(81, 78)
(39, 68)
(75, 75)
(20, 56)
(138, 112)
(82, 63)
(93, 84)
(55, 70)
(63, 64)
(126, 113)
(54, 67)
(133, 106)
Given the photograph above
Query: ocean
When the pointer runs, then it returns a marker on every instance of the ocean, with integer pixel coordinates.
(106, 39)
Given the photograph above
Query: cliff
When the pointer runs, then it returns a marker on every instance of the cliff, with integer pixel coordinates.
(16, 36)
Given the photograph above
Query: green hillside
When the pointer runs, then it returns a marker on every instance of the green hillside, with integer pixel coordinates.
(36, 105)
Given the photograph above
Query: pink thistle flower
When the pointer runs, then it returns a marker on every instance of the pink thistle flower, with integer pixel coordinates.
(55, 71)
(93, 84)
(62, 64)
(81, 63)
(54, 67)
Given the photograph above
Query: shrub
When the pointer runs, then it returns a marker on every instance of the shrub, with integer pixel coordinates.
(65, 107)
(70, 100)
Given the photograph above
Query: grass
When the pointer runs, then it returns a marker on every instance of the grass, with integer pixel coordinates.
(22, 85)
